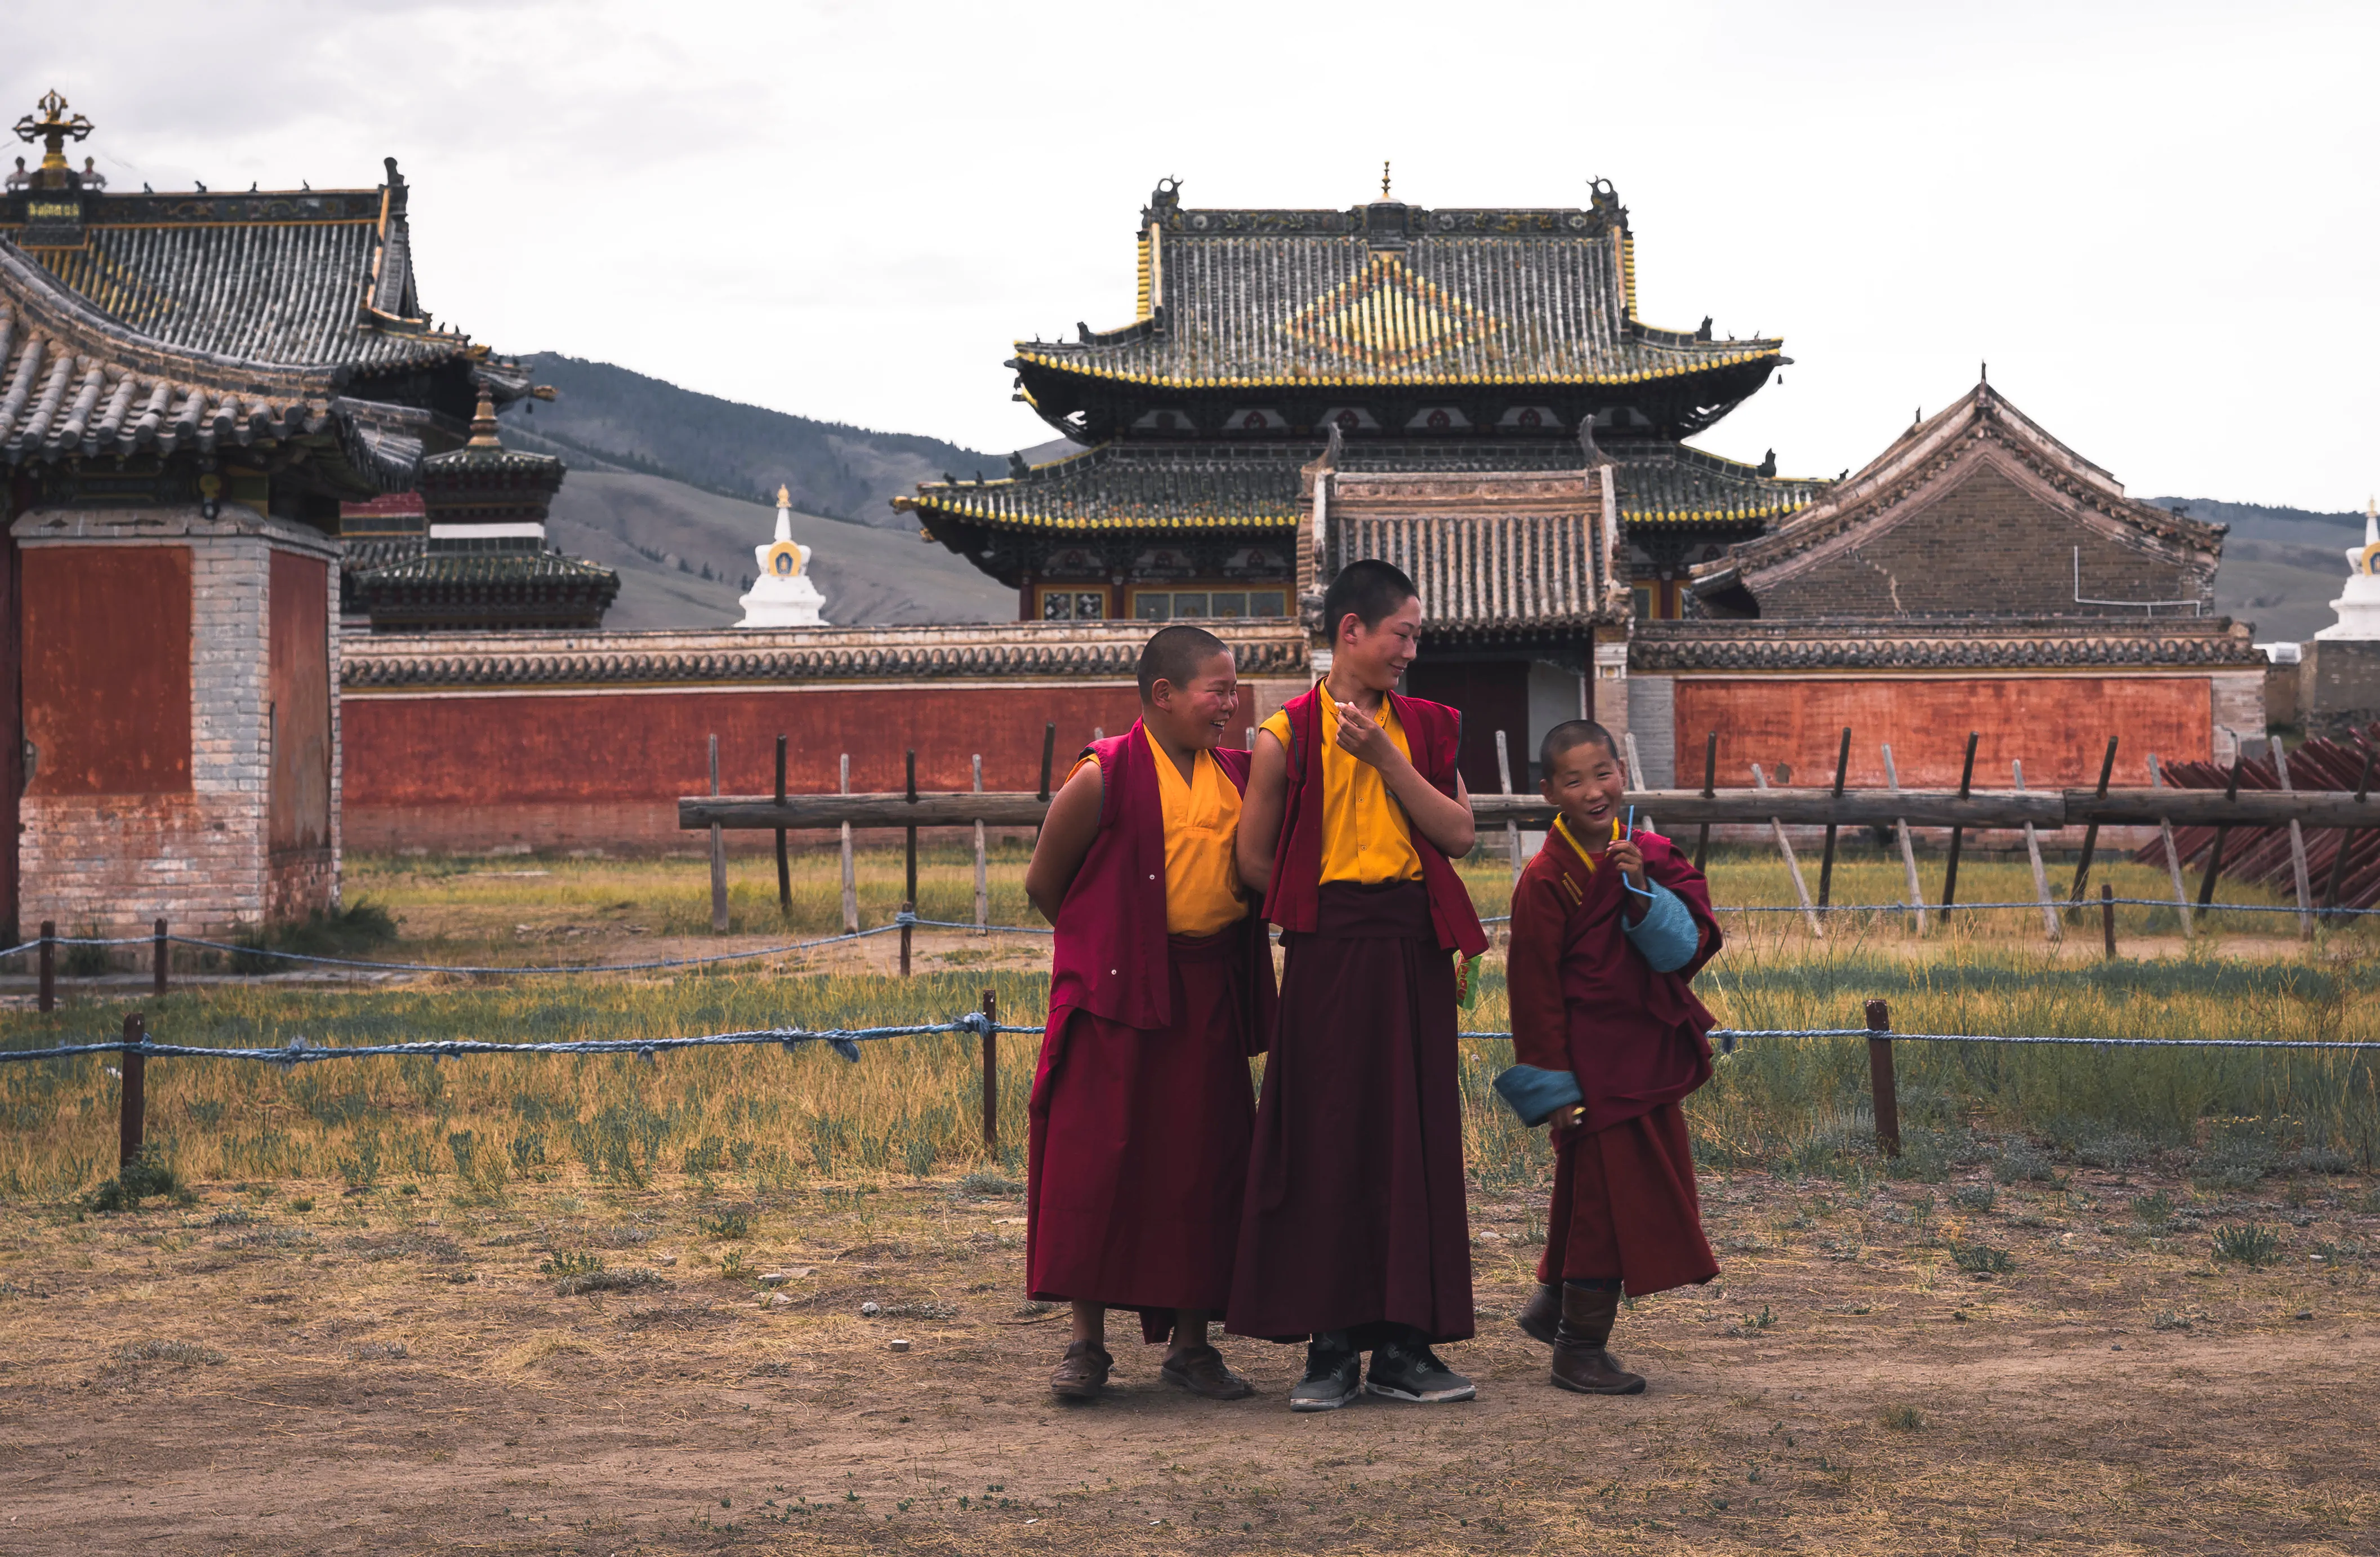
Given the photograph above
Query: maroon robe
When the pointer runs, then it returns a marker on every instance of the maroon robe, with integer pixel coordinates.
(1585, 1001)
(1355, 1218)
(1139, 1121)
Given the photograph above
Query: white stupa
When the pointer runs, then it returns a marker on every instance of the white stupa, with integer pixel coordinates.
(2359, 608)
(785, 597)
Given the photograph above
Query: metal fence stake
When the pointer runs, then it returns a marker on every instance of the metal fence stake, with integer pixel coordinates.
(2108, 916)
(48, 999)
(163, 953)
(982, 879)
(1882, 1091)
(990, 1071)
(132, 1116)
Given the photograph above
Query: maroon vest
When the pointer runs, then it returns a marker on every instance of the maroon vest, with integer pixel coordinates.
(1434, 735)
(1110, 958)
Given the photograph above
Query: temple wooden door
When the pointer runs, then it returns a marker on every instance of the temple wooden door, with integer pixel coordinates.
(1493, 694)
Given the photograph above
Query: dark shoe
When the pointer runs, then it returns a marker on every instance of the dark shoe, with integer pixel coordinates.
(1334, 1375)
(1202, 1371)
(1084, 1373)
(1410, 1371)
(1543, 1312)
(1580, 1362)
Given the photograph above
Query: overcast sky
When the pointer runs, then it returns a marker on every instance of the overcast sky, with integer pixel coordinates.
(2155, 221)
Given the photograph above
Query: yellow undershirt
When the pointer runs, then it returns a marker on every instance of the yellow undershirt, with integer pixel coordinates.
(1202, 817)
(1365, 837)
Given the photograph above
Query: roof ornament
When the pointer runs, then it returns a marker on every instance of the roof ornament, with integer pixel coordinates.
(1384, 178)
(53, 130)
(1595, 454)
(1602, 195)
(1767, 467)
(483, 424)
(1167, 196)
(1017, 469)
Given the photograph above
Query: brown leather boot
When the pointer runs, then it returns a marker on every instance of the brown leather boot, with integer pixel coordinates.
(1580, 1362)
(1543, 1312)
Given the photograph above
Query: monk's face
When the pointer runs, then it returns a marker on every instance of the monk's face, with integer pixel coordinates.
(1587, 781)
(1377, 656)
(1198, 713)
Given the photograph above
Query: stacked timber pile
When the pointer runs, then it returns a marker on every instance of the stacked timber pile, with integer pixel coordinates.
(2264, 854)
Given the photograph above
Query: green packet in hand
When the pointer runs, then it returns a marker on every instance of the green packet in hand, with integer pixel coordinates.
(1466, 988)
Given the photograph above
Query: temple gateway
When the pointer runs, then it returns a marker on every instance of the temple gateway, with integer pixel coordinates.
(1469, 394)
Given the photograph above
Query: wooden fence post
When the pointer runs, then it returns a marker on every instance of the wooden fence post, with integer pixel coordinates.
(2301, 876)
(717, 854)
(1882, 1089)
(2108, 916)
(132, 1117)
(47, 999)
(2050, 927)
(784, 866)
(2091, 833)
(2172, 856)
(909, 894)
(1908, 847)
(1785, 848)
(1512, 829)
(990, 1071)
(2222, 832)
(2346, 837)
(1636, 777)
(1958, 834)
(850, 872)
(163, 953)
(1827, 860)
(982, 885)
(1710, 777)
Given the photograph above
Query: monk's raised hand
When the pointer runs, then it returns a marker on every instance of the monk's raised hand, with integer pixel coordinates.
(1631, 861)
(1363, 739)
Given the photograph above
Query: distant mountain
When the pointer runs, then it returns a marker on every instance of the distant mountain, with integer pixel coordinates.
(609, 418)
(684, 555)
(2281, 566)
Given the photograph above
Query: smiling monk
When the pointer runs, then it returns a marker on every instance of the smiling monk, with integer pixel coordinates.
(1161, 988)
(1355, 1237)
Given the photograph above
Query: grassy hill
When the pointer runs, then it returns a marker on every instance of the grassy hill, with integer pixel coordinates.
(2281, 566)
(611, 418)
(684, 555)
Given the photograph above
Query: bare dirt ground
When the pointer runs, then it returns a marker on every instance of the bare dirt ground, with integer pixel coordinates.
(370, 1373)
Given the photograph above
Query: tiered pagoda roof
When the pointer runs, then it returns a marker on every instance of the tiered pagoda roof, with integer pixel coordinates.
(1273, 312)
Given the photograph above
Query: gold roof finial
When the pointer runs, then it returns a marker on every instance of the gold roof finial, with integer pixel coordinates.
(1384, 177)
(483, 424)
(53, 130)
(785, 498)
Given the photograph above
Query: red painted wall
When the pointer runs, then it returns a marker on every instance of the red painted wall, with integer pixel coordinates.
(2057, 725)
(298, 682)
(107, 668)
(570, 769)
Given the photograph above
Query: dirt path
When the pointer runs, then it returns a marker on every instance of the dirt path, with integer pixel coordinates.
(2113, 1391)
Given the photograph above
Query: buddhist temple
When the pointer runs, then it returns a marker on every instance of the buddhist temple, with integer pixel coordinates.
(1466, 392)
(481, 561)
(191, 384)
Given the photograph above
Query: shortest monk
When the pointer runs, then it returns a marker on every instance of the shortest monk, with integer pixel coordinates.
(1609, 925)
(1161, 988)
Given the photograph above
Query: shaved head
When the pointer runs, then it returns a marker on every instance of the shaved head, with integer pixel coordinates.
(1174, 655)
(1573, 732)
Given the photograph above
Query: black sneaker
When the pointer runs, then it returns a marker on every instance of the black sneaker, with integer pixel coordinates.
(1410, 1371)
(1334, 1375)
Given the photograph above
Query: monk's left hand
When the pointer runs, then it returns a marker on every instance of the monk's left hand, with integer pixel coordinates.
(1364, 739)
(1631, 861)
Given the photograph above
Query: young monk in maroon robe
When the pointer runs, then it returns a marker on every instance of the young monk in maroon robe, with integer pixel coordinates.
(1355, 1236)
(1609, 928)
(1141, 1106)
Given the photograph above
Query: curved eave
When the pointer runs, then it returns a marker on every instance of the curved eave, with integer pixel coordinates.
(1709, 518)
(1072, 366)
(929, 508)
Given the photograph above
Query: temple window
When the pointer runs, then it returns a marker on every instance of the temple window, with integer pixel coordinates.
(1074, 605)
(1180, 606)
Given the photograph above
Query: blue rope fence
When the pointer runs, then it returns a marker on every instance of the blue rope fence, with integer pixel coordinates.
(845, 1041)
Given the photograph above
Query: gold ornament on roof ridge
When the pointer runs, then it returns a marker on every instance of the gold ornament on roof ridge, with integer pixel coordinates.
(53, 130)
